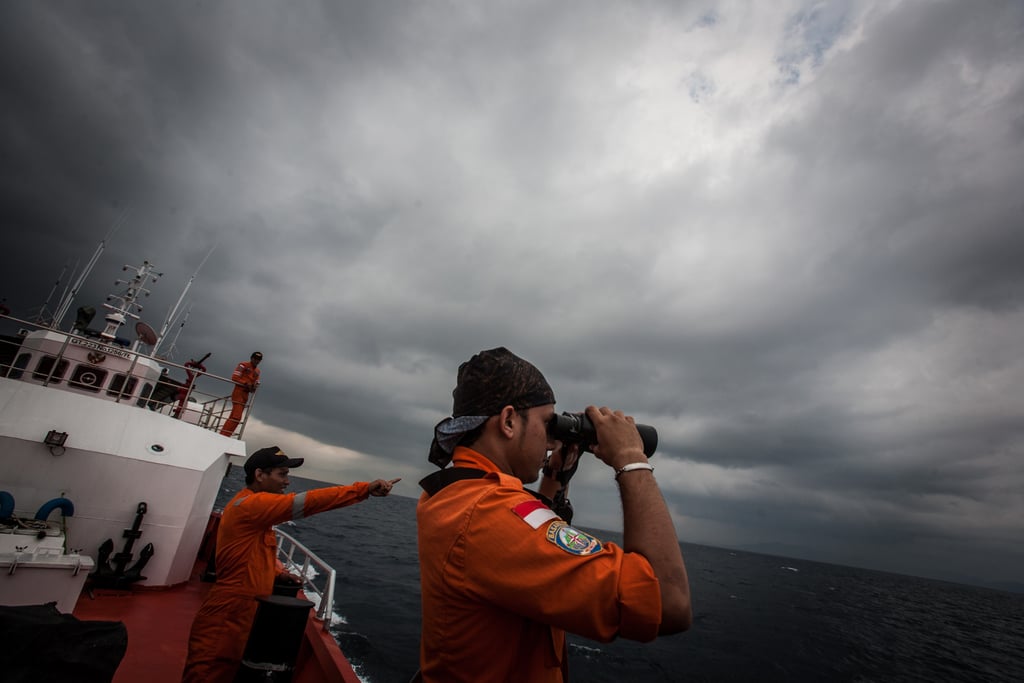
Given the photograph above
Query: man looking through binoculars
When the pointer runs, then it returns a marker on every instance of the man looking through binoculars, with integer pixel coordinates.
(502, 576)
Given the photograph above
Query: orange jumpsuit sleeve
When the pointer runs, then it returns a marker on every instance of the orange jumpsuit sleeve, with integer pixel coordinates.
(246, 544)
(320, 500)
(594, 589)
(245, 376)
(267, 509)
(239, 376)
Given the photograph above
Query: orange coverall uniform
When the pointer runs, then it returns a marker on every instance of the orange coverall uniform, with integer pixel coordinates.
(246, 569)
(502, 579)
(245, 377)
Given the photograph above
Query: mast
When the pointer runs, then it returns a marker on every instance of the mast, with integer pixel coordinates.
(44, 310)
(126, 305)
(174, 341)
(173, 313)
(69, 296)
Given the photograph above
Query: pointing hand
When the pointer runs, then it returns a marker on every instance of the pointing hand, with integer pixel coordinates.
(380, 487)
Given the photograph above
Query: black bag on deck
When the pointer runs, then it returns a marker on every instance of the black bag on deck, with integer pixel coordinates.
(41, 644)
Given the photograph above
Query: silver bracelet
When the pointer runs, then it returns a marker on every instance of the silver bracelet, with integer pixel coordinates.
(633, 466)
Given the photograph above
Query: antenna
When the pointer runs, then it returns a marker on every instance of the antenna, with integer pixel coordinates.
(174, 342)
(69, 297)
(63, 295)
(45, 308)
(173, 313)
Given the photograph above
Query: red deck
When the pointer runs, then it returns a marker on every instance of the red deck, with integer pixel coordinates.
(158, 622)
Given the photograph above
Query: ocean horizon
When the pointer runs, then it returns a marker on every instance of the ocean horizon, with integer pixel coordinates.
(757, 616)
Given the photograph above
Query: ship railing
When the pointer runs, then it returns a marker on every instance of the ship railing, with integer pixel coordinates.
(200, 397)
(318, 577)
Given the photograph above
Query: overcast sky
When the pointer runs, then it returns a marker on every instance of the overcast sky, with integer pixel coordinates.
(789, 235)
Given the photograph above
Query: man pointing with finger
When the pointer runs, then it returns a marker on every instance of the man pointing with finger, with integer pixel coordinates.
(246, 558)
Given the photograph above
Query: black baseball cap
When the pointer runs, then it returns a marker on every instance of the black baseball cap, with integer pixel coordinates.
(269, 458)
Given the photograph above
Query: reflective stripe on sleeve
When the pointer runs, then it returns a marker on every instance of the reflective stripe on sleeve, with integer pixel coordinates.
(299, 505)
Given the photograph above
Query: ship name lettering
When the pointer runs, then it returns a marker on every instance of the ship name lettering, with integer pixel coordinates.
(100, 347)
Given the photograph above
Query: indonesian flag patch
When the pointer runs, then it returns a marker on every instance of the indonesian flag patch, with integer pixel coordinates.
(534, 513)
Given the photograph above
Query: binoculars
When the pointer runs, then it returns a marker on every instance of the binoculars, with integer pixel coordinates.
(577, 428)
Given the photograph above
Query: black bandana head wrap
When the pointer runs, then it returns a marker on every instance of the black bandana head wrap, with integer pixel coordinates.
(493, 379)
(488, 382)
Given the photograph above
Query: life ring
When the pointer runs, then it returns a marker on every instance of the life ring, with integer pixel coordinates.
(6, 505)
(67, 508)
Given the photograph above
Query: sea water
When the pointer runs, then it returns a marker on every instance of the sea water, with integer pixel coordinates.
(756, 617)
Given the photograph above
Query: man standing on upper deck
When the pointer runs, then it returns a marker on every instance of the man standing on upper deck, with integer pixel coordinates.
(246, 378)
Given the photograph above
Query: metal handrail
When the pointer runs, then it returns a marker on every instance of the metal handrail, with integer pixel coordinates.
(205, 408)
(287, 548)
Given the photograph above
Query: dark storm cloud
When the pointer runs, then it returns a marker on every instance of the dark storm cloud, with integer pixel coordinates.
(784, 235)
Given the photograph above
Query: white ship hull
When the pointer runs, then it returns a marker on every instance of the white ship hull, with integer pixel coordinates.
(116, 456)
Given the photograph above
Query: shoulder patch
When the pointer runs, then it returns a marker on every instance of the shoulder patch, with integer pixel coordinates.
(534, 513)
(572, 540)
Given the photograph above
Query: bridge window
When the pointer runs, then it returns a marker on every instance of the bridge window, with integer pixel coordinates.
(88, 378)
(117, 383)
(45, 369)
(20, 363)
(147, 389)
